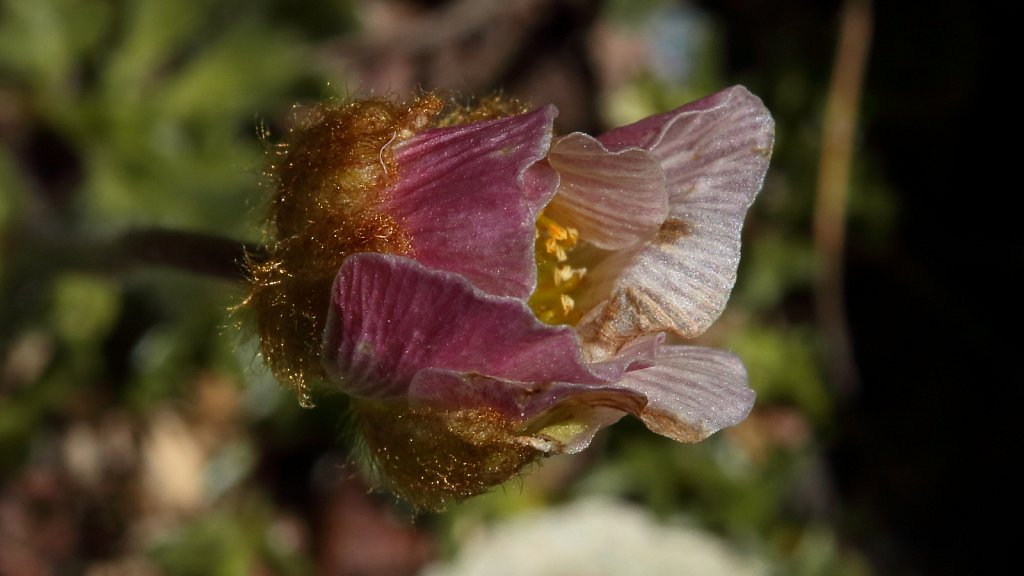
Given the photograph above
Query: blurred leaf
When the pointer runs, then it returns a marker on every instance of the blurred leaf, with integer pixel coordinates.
(191, 331)
(84, 308)
(818, 552)
(236, 74)
(783, 367)
(155, 34)
(42, 40)
(216, 545)
(774, 265)
(236, 540)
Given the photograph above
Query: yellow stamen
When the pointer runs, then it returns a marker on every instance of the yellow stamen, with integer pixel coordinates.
(567, 303)
(563, 274)
(551, 301)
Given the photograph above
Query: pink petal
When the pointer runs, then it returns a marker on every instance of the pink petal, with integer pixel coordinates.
(524, 400)
(715, 154)
(468, 198)
(692, 392)
(538, 405)
(614, 199)
(577, 411)
(392, 317)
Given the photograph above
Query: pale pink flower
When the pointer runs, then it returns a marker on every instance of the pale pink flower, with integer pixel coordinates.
(644, 226)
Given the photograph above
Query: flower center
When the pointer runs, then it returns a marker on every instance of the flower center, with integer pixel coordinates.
(552, 302)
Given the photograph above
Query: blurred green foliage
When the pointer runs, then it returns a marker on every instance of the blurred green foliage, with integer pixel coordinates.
(232, 540)
(158, 100)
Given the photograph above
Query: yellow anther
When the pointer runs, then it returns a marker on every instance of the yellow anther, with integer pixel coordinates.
(567, 303)
(555, 278)
(562, 274)
(560, 254)
(557, 232)
(568, 275)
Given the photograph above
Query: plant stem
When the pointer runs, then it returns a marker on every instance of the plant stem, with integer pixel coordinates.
(193, 252)
(838, 134)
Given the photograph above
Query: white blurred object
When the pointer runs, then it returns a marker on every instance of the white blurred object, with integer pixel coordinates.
(595, 538)
(173, 465)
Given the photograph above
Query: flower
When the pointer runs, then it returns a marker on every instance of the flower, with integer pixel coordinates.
(494, 294)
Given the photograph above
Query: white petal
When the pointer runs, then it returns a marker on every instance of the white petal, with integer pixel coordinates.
(693, 392)
(715, 153)
(614, 199)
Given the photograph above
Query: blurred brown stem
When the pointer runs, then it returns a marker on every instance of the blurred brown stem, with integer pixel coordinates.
(194, 252)
(838, 134)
